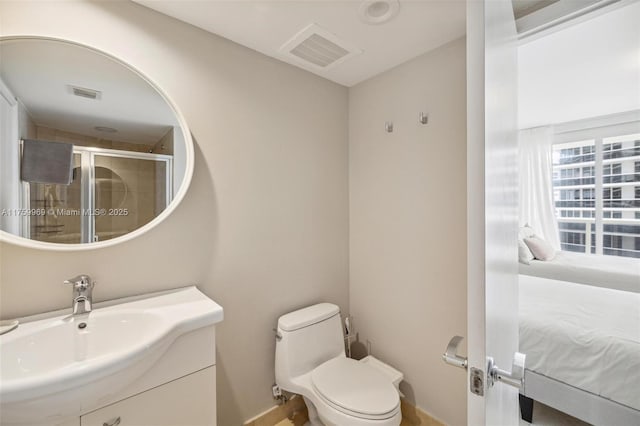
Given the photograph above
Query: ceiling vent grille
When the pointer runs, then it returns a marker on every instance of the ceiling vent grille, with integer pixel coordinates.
(318, 48)
(85, 93)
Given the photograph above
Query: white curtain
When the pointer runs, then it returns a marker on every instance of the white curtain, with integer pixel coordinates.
(535, 157)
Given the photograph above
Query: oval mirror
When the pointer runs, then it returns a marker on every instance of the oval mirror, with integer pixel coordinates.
(91, 152)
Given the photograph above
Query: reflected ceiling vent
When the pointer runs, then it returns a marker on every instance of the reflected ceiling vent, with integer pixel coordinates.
(318, 48)
(83, 92)
(106, 129)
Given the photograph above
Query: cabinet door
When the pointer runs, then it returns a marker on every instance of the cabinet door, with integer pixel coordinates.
(188, 401)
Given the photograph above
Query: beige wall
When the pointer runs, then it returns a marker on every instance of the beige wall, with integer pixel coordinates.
(264, 226)
(408, 223)
(165, 144)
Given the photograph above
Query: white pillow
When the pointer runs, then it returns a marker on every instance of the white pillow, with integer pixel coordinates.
(524, 254)
(541, 249)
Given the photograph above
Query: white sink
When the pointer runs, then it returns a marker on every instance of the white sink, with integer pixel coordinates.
(56, 367)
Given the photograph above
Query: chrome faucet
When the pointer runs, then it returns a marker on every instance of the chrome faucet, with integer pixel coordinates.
(82, 289)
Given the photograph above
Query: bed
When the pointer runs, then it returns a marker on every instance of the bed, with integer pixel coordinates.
(583, 350)
(621, 273)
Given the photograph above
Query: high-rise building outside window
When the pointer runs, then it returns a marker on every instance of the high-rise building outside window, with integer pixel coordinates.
(597, 195)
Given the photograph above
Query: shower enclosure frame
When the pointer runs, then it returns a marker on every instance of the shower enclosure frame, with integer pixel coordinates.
(88, 187)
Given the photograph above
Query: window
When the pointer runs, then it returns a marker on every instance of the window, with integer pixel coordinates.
(611, 150)
(607, 222)
(612, 243)
(610, 197)
(612, 173)
(588, 194)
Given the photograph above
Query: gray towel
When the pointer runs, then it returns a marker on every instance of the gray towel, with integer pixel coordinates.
(47, 162)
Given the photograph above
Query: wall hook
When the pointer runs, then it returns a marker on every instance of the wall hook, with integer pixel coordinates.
(388, 126)
(423, 118)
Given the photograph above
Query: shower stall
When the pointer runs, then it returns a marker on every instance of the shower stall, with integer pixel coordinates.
(113, 192)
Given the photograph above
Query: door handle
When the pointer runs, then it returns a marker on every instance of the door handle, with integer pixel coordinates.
(514, 378)
(451, 357)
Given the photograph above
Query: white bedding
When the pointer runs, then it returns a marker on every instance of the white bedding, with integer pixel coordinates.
(584, 336)
(621, 273)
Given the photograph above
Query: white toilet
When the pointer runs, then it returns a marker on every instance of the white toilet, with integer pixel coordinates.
(338, 391)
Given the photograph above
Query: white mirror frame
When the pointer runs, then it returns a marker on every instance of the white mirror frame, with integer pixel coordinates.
(6, 237)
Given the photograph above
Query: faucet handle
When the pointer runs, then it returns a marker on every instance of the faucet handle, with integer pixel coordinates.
(81, 282)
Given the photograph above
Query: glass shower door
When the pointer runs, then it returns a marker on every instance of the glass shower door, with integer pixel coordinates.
(112, 193)
(56, 210)
(129, 192)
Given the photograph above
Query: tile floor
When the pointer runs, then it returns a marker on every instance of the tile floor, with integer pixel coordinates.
(288, 422)
(285, 422)
(542, 416)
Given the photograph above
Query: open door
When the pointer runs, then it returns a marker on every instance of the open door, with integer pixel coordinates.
(9, 162)
(492, 210)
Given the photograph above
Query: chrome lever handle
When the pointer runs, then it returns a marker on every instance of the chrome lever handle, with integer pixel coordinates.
(82, 282)
(451, 357)
(514, 378)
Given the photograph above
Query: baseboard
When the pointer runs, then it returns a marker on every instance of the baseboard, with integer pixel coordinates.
(294, 410)
(415, 416)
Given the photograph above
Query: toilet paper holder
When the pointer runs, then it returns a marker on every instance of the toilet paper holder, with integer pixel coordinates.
(451, 357)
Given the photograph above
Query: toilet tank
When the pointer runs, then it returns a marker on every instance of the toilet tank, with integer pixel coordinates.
(308, 337)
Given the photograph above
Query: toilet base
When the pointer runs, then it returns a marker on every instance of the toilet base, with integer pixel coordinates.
(314, 418)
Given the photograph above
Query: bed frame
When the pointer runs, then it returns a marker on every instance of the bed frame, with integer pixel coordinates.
(576, 402)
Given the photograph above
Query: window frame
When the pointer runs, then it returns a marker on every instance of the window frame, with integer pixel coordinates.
(597, 130)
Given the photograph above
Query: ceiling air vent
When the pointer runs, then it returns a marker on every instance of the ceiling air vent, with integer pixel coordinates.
(318, 48)
(85, 93)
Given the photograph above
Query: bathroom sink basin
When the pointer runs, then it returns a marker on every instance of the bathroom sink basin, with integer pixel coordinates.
(63, 365)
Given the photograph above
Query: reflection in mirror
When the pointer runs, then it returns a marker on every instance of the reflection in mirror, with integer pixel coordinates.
(90, 151)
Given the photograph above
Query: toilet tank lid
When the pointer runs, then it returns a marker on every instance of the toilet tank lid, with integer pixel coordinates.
(307, 316)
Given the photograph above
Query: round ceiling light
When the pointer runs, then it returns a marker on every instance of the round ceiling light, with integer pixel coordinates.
(378, 11)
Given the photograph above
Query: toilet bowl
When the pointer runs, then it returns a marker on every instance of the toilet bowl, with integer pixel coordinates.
(338, 391)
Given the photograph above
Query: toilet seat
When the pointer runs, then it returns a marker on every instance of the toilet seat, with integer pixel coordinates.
(355, 389)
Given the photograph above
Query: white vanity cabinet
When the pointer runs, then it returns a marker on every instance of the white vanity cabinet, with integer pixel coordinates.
(188, 401)
(178, 390)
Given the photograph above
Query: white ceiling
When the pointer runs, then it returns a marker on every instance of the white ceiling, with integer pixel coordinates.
(420, 25)
(39, 73)
(587, 70)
